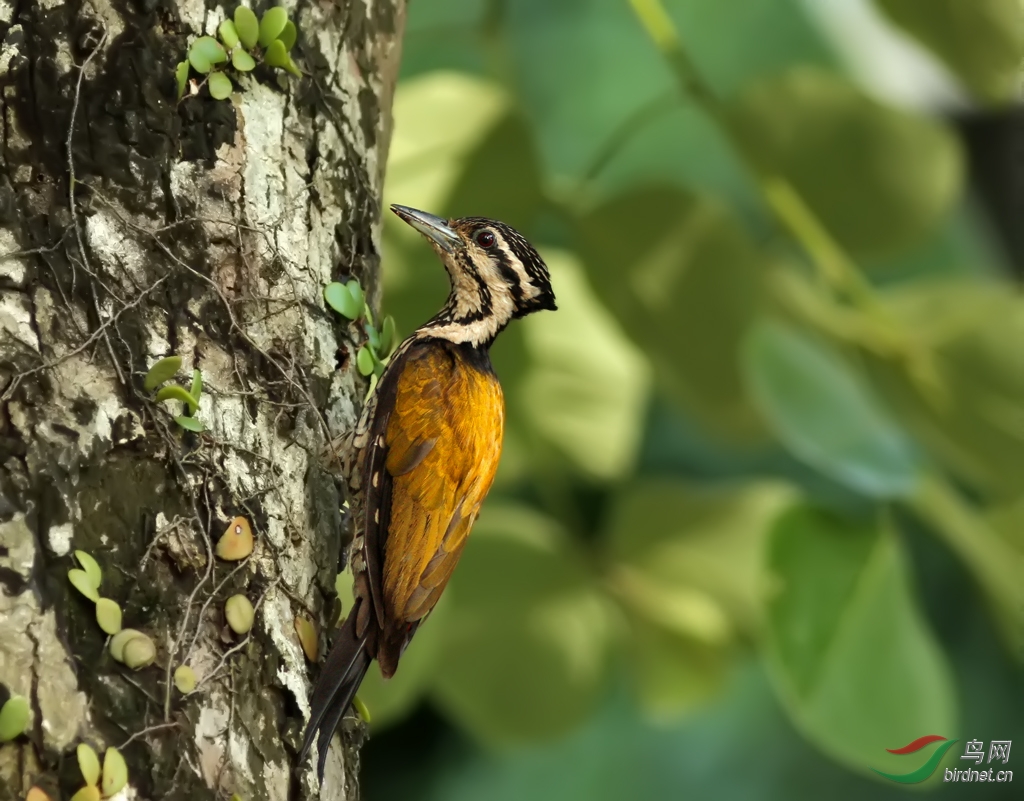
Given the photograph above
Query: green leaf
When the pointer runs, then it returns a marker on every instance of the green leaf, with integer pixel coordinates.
(88, 763)
(974, 423)
(825, 414)
(501, 174)
(449, 115)
(848, 648)
(690, 558)
(277, 56)
(388, 336)
(205, 53)
(339, 298)
(879, 178)
(685, 282)
(356, 291)
(673, 673)
(288, 35)
(176, 393)
(981, 40)
(83, 582)
(271, 26)
(115, 773)
(220, 86)
(14, 717)
(992, 558)
(247, 27)
(163, 370)
(228, 34)
(524, 654)
(190, 423)
(91, 568)
(181, 77)
(364, 361)
(373, 338)
(242, 61)
(197, 385)
(587, 388)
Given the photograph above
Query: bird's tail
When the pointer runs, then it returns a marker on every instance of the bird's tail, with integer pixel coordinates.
(339, 679)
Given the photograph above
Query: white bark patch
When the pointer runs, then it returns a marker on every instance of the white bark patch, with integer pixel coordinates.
(59, 538)
(17, 540)
(33, 662)
(108, 239)
(192, 12)
(16, 319)
(8, 51)
(275, 777)
(209, 739)
(13, 268)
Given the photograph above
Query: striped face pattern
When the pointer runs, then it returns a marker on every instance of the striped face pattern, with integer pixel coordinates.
(496, 276)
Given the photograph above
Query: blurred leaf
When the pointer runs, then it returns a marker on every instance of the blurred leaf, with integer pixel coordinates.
(992, 558)
(848, 648)
(440, 118)
(673, 673)
(573, 90)
(583, 69)
(390, 700)
(879, 178)
(525, 643)
(685, 282)
(976, 425)
(703, 546)
(587, 388)
(500, 177)
(982, 40)
(825, 415)
(1007, 520)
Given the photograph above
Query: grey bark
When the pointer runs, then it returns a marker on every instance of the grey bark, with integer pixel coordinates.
(133, 227)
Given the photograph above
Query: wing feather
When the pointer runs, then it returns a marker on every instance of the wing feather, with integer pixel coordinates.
(443, 442)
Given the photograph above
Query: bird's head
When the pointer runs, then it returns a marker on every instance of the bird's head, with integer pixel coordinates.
(496, 275)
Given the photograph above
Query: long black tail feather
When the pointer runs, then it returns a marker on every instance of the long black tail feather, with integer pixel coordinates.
(339, 679)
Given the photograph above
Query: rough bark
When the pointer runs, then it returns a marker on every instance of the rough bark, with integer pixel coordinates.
(142, 227)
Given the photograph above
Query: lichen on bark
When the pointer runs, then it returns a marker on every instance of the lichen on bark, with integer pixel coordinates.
(132, 227)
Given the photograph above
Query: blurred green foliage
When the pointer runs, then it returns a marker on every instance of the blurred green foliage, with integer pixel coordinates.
(784, 354)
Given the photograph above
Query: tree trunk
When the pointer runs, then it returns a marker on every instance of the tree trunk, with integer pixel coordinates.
(205, 229)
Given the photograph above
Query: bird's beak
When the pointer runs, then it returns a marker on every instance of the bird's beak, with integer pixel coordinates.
(430, 226)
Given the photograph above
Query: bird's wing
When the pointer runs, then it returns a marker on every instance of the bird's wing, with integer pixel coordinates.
(442, 444)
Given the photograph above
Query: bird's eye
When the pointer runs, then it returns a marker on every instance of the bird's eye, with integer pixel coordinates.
(485, 239)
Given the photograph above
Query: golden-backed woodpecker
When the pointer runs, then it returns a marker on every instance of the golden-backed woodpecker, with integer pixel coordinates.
(431, 437)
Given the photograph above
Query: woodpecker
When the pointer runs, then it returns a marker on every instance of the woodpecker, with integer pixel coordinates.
(430, 439)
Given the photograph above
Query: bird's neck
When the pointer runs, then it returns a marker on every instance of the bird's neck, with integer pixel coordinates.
(472, 316)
